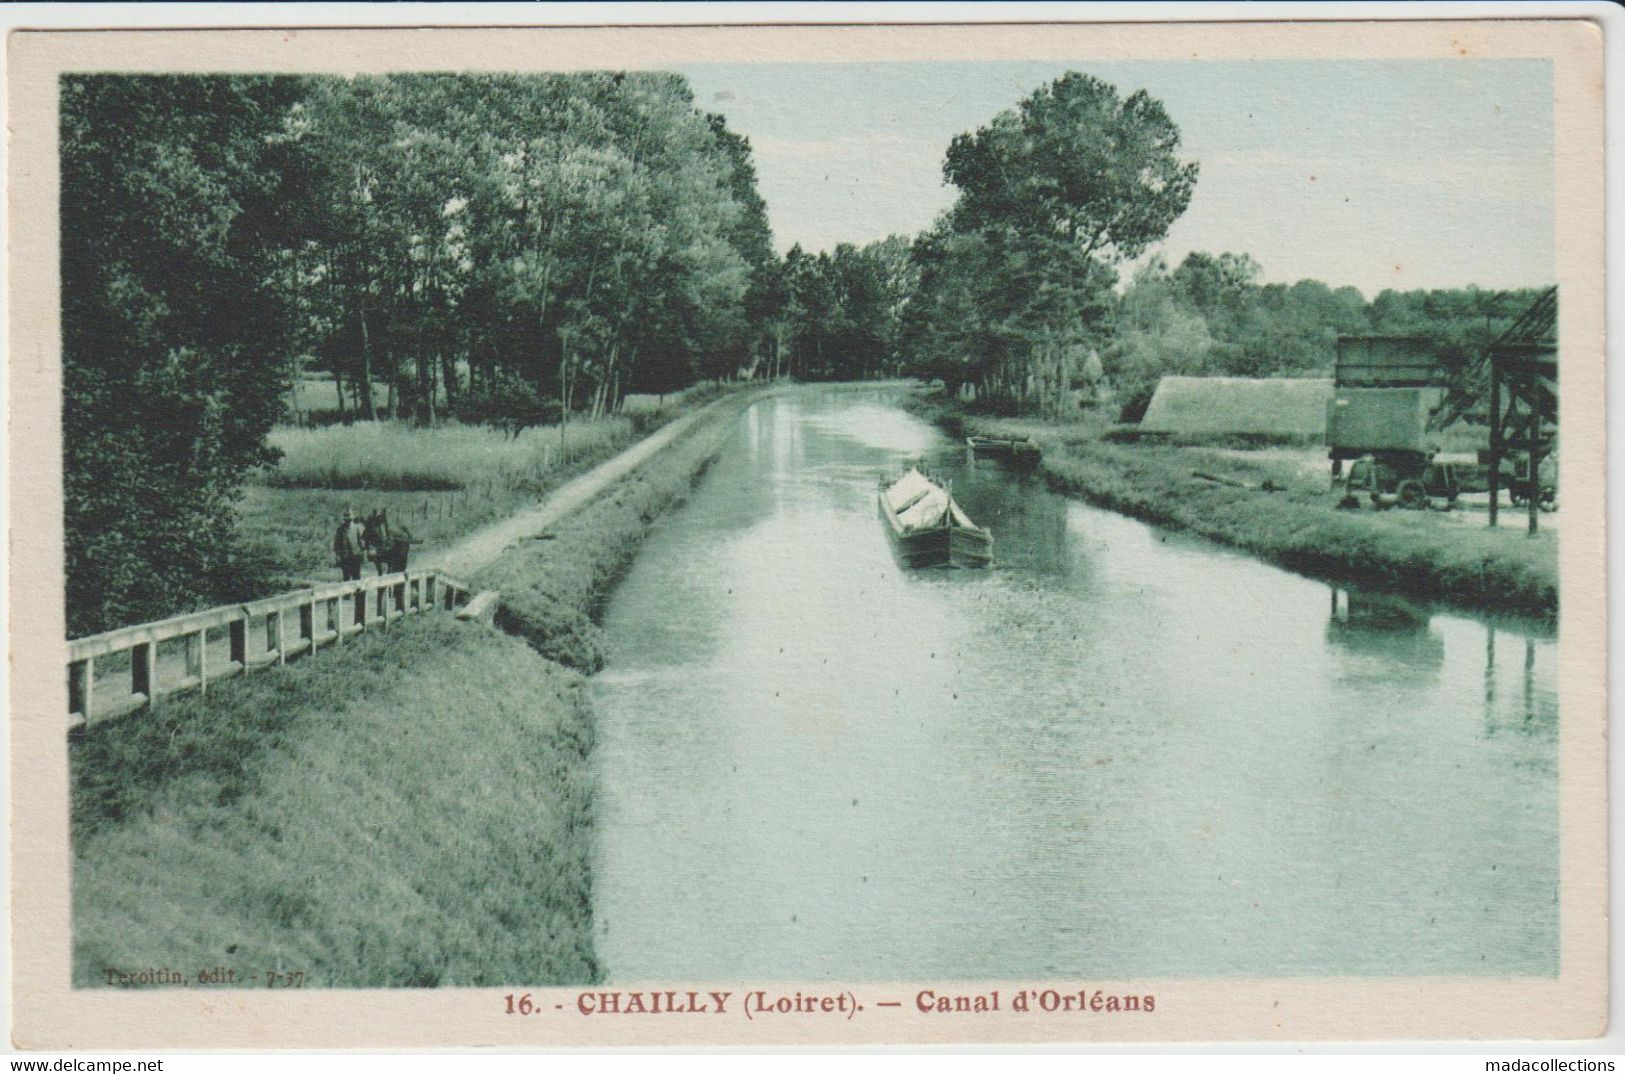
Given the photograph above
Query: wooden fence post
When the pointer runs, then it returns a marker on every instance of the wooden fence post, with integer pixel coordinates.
(237, 633)
(141, 671)
(197, 659)
(82, 686)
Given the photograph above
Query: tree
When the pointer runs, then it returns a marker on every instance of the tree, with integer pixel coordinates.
(1015, 282)
(897, 277)
(1158, 333)
(177, 328)
(1075, 162)
(1217, 285)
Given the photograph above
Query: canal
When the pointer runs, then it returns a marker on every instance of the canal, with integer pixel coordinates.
(1122, 752)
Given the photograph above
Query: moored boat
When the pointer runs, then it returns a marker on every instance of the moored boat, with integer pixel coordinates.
(1008, 447)
(929, 527)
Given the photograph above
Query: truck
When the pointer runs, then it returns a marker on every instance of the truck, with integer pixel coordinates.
(1386, 393)
(1401, 479)
(1385, 431)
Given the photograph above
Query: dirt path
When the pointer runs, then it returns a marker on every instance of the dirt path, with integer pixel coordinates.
(487, 543)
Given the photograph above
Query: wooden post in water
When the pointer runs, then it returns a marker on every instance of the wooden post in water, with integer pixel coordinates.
(1531, 437)
(1495, 441)
(1528, 679)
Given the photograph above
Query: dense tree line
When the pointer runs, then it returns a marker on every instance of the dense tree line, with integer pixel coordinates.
(513, 247)
(579, 236)
(837, 315)
(1210, 316)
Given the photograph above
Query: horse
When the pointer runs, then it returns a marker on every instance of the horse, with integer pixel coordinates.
(386, 546)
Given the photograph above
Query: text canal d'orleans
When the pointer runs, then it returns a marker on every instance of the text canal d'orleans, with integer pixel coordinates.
(764, 1003)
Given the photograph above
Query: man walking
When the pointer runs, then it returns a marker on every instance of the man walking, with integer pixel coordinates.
(347, 546)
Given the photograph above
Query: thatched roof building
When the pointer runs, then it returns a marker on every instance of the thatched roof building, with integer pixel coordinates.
(1239, 406)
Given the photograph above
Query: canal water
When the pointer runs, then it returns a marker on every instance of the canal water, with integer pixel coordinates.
(1121, 752)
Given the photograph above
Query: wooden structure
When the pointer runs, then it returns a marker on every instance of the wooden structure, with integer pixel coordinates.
(220, 643)
(1523, 403)
(1511, 386)
(1386, 362)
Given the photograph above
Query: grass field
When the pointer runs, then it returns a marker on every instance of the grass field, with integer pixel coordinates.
(439, 484)
(398, 456)
(411, 810)
(1298, 526)
(315, 397)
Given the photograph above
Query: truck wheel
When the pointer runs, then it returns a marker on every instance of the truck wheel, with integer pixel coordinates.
(1412, 496)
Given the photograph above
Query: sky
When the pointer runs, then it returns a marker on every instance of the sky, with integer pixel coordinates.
(1376, 173)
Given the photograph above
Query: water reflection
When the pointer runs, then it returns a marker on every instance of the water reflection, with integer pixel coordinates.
(1120, 752)
(1387, 629)
(1530, 708)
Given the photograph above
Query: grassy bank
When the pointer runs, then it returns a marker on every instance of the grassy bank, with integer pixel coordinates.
(1298, 526)
(411, 810)
(553, 590)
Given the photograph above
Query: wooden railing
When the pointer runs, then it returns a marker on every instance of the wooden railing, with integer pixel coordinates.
(260, 634)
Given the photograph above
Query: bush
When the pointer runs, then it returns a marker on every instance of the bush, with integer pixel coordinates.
(554, 629)
(509, 403)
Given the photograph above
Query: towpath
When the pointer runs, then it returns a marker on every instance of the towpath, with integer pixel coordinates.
(487, 543)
